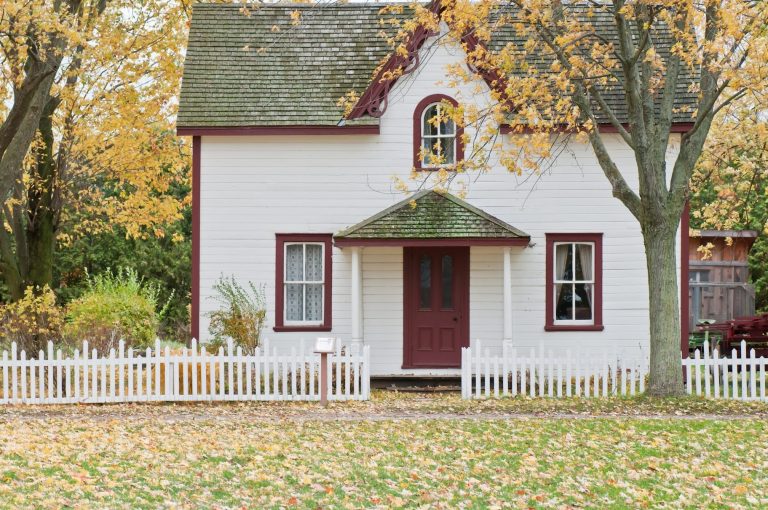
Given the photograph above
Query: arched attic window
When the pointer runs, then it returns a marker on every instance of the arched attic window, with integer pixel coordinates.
(437, 140)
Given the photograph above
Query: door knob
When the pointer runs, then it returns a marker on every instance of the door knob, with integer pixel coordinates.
(455, 319)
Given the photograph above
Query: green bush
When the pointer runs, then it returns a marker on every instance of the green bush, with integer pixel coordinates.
(241, 316)
(115, 306)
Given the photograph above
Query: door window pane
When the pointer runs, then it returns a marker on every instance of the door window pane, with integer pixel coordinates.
(425, 282)
(447, 282)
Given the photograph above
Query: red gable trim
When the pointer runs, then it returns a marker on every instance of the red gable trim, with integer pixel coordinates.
(493, 78)
(277, 130)
(373, 102)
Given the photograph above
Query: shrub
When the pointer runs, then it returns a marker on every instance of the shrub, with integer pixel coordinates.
(115, 306)
(32, 321)
(241, 316)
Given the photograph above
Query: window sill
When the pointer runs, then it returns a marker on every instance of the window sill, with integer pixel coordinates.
(448, 168)
(574, 327)
(287, 329)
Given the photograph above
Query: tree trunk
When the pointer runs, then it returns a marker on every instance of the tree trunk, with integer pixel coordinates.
(664, 312)
(41, 228)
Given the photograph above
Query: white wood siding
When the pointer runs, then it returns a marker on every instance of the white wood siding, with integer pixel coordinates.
(254, 187)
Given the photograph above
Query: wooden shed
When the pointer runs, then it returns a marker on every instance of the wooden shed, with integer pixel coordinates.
(719, 287)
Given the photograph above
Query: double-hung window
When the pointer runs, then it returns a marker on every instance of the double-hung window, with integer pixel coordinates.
(303, 283)
(574, 282)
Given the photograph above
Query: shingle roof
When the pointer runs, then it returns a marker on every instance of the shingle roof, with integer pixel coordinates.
(261, 70)
(435, 216)
(296, 80)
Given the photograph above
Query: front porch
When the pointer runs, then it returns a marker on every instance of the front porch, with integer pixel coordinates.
(413, 270)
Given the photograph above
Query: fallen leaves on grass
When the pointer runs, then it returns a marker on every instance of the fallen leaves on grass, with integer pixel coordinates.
(260, 455)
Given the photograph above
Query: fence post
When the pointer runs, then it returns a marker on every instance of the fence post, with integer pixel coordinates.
(744, 368)
(464, 351)
(5, 377)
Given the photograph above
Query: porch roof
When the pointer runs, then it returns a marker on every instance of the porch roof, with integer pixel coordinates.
(432, 218)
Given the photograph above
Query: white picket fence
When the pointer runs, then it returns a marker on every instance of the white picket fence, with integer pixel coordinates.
(536, 372)
(740, 377)
(190, 374)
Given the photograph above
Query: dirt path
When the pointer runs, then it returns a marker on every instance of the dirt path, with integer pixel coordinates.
(303, 412)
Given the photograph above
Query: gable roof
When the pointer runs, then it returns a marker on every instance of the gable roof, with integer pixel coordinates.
(296, 80)
(262, 70)
(435, 216)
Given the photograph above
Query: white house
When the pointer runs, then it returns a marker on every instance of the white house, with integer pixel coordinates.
(290, 193)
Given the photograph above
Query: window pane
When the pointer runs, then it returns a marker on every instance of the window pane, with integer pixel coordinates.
(564, 302)
(583, 302)
(563, 265)
(447, 282)
(448, 150)
(294, 258)
(584, 262)
(294, 302)
(427, 150)
(314, 263)
(430, 121)
(425, 282)
(447, 127)
(314, 302)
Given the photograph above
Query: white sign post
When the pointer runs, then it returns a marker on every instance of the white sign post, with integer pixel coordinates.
(324, 346)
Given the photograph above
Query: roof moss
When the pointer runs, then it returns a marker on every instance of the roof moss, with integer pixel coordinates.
(435, 216)
(263, 70)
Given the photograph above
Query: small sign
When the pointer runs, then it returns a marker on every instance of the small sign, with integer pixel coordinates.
(325, 344)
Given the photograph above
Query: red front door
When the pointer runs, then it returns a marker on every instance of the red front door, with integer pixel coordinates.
(436, 288)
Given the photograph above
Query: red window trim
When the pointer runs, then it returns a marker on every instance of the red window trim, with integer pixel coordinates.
(280, 240)
(417, 113)
(597, 239)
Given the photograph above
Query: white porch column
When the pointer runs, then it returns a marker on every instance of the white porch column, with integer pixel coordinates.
(357, 298)
(507, 297)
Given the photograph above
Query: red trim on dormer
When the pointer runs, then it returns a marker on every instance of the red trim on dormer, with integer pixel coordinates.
(493, 78)
(373, 101)
(417, 113)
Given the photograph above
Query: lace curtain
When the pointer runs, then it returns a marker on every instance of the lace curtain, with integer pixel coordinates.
(304, 299)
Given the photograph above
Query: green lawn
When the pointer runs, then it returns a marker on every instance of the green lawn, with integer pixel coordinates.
(290, 455)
